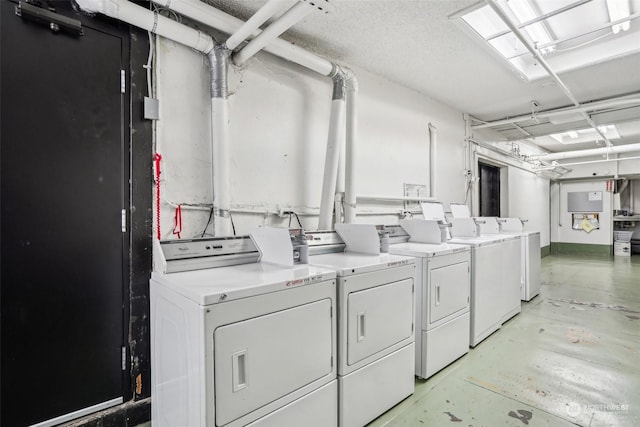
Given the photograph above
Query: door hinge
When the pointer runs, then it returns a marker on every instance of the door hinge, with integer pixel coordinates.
(412, 328)
(123, 220)
(124, 358)
(123, 82)
(330, 311)
(332, 360)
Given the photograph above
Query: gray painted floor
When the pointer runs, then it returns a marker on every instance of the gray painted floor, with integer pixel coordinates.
(572, 357)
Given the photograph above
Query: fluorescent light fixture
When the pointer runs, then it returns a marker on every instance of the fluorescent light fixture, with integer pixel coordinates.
(523, 10)
(619, 9)
(586, 135)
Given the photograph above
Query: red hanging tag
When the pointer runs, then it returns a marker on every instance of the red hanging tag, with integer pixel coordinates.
(177, 222)
(156, 158)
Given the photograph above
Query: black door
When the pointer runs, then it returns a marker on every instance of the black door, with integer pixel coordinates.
(489, 190)
(62, 191)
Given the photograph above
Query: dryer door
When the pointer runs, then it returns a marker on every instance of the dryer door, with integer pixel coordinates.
(448, 291)
(378, 318)
(265, 358)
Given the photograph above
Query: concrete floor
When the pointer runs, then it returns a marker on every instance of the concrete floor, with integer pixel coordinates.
(572, 357)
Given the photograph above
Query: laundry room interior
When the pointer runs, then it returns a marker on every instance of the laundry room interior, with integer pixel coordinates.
(320, 212)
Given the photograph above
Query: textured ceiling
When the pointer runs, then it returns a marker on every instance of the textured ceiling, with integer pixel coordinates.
(416, 44)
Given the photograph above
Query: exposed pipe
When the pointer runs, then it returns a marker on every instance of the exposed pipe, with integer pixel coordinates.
(148, 20)
(334, 146)
(257, 19)
(351, 142)
(591, 106)
(202, 12)
(534, 52)
(219, 63)
(590, 152)
(433, 145)
(619, 159)
(273, 31)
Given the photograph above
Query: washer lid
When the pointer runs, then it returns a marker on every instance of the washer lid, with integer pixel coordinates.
(215, 285)
(486, 239)
(426, 250)
(348, 264)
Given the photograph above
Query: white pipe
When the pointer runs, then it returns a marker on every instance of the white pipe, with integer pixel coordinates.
(351, 148)
(254, 23)
(215, 18)
(433, 145)
(395, 198)
(140, 17)
(219, 62)
(619, 159)
(586, 153)
(591, 106)
(334, 146)
(273, 31)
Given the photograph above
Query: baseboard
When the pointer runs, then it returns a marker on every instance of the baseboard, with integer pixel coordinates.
(129, 414)
(579, 248)
(545, 251)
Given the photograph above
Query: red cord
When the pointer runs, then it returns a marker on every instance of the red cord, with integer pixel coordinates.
(157, 157)
(177, 221)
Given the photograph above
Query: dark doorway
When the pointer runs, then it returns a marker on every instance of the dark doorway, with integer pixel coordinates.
(63, 187)
(489, 190)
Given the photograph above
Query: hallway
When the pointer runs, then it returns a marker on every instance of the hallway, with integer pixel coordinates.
(570, 358)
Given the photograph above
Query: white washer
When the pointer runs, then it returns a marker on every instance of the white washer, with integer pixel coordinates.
(487, 301)
(250, 344)
(375, 328)
(512, 275)
(442, 303)
(530, 251)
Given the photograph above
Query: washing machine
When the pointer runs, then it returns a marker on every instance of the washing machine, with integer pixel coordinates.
(512, 278)
(375, 320)
(442, 295)
(487, 305)
(236, 342)
(530, 251)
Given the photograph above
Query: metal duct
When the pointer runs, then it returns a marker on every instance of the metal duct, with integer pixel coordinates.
(334, 146)
(219, 68)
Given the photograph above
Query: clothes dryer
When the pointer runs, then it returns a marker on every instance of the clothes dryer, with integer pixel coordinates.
(442, 295)
(375, 321)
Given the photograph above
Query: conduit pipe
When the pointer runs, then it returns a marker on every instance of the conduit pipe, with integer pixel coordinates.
(591, 106)
(273, 31)
(516, 32)
(252, 24)
(219, 68)
(148, 20)
(433, 145)
(351, 141)
(202, 12)
(590, 152)
(334, 146)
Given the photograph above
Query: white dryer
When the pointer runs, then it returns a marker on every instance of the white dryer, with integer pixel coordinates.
(375, 323)
(442, 295)
(530, 251)
(249, 344)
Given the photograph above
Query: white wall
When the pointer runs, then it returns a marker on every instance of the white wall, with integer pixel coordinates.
(528, 198)
(279, 116)
(561, 226)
